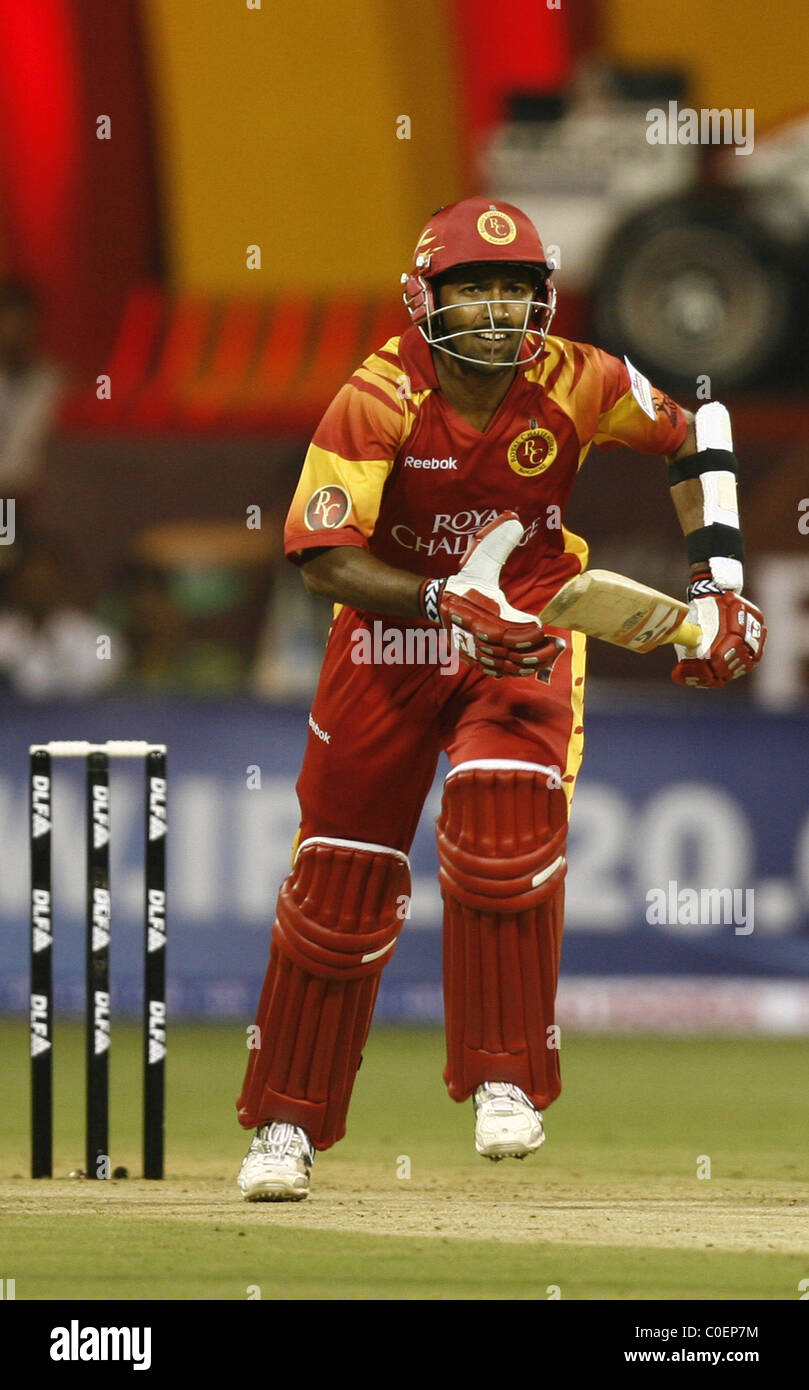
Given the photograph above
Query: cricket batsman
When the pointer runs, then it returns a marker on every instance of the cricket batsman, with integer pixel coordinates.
(432, 497)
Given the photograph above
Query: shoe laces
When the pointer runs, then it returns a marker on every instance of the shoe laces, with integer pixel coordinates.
(502, 1090)
(282, 1140)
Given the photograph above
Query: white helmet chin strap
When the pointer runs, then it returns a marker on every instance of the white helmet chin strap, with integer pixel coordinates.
(522, 332)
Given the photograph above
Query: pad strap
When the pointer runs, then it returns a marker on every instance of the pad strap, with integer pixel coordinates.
(707, 541)
(706, 461)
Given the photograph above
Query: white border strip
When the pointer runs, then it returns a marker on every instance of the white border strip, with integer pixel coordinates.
(352, 844)
(546, 873)
(487, 763)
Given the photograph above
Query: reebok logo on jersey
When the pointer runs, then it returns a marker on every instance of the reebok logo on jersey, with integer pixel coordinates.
(411, 462)
(318, 732)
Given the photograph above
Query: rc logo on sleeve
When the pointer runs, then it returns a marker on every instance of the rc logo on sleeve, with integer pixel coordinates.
(532, 452)
(327, 508)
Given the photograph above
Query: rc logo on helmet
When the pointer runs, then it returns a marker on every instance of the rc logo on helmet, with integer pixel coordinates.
(327, 508)
(532, 452)
(497, 227)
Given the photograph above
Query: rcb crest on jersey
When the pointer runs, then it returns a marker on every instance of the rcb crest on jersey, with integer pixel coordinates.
(532, 452)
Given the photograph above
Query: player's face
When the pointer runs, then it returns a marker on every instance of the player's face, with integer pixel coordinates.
(489, 309)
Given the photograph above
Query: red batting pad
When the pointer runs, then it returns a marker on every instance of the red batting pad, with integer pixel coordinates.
(341, 904)
(498, 830)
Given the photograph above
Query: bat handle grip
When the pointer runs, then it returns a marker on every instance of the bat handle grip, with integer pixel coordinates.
(687, 635)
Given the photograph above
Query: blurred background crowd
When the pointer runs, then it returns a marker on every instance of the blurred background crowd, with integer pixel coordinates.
(203, 218)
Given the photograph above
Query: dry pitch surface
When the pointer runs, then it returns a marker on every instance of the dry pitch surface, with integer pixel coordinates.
(611, 1207)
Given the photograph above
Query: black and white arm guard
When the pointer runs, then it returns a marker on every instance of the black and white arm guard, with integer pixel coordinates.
(717, 544)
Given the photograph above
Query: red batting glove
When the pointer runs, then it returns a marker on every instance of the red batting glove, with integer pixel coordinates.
(489, 634)
(733, 637)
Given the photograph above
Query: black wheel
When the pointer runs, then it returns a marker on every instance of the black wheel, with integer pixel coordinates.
(694, 288)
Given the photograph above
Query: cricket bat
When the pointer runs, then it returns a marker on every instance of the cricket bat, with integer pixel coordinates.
(619, 610)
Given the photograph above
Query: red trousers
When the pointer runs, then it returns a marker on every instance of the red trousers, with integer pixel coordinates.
(378, 731)
(375, 736)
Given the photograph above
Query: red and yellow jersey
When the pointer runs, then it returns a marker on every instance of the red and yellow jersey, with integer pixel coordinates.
(394, 469)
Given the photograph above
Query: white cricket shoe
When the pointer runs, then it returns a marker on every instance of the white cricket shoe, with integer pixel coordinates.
(507, 1125)
(277, 1165)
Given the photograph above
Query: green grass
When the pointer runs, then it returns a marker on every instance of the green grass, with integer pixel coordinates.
(231, 1263)
(611, 1208)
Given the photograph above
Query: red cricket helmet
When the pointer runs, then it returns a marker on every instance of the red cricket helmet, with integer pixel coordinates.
(470, 232)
